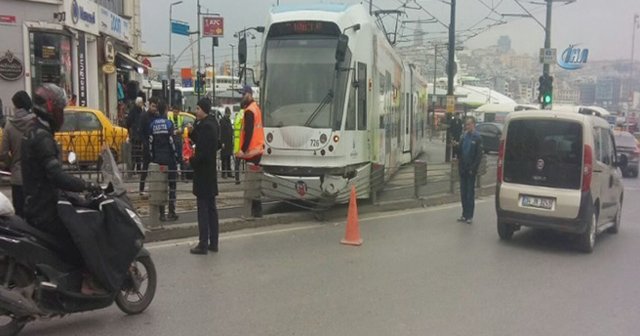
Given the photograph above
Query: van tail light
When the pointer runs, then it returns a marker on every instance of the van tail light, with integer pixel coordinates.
(587, 168)
(500, 161)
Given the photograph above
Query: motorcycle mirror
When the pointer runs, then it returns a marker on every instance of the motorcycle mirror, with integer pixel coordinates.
(72, 158)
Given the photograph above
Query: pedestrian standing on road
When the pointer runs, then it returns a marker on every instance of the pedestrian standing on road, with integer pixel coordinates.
(162, 151)
(237, 129)
(251, 140)
(12, 144)
(133, 122)
(205, 182)
(226, 139)
(144, 131)
(178, 123)
(469, 157)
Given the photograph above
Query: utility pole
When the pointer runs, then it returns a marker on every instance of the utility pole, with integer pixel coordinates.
(636, 25)
(214, 41)
(199, 33)
(450, 77)
(546, 81)
(435, 78)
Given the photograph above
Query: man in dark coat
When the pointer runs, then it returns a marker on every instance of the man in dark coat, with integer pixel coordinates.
(226, 139)
(205, 182)
(42, 173)
(469, 157)
(144, 131)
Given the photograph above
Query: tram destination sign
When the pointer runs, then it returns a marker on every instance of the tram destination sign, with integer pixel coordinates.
(304, 28)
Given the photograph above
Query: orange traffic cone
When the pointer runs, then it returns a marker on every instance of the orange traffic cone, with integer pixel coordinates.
(352, 234)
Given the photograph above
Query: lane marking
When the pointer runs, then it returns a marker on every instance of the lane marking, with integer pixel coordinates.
(304, 226)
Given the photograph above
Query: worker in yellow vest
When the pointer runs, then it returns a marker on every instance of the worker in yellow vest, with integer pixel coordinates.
(237, 129)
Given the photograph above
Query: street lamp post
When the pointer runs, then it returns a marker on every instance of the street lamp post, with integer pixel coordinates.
(636, 25)
(233, 83)
(170, 67)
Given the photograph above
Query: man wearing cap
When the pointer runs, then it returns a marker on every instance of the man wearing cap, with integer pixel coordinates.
(251, 138)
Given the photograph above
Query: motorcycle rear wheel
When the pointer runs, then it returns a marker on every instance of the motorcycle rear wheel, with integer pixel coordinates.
(9, 324)
(138, 280)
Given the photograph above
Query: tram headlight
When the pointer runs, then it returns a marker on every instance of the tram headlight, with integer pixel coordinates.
(323, 139)
(336, 138)
(269, 137)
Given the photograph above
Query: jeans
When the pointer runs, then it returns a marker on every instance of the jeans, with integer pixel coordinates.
(17, 197)
(208, 221)
(467, 195)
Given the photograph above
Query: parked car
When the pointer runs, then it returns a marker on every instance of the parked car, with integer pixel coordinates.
(627, 145)
(559, 170)
(490, 133)
(85, 131)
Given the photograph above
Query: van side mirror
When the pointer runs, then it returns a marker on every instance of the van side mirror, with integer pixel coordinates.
(341, 50)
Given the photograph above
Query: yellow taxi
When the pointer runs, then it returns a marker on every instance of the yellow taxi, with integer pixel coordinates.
(85, 131)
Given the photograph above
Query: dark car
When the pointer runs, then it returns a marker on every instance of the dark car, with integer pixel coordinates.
(627, 145)
(490, 133)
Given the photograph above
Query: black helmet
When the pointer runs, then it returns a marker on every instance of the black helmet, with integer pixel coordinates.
(51, 101)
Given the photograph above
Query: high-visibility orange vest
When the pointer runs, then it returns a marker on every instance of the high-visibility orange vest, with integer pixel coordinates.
(256, 145)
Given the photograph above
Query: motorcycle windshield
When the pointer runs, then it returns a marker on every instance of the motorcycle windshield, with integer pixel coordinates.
(111, 173)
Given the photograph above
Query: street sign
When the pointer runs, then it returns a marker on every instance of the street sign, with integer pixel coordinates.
(180, 28)
(548, 56)
(451, 104)
(187, 82)
(212, 26)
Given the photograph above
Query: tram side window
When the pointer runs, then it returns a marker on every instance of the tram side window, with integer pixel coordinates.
(362, 96)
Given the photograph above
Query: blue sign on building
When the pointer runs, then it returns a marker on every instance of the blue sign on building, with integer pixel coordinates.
(180, 28)
(187, 82)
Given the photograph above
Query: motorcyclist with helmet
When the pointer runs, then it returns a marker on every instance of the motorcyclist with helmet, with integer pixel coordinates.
(42, 170)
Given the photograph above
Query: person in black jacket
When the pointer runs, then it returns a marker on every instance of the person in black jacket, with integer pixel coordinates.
(469, 157)
(162, 150)
(143, 131)
(43, 177)
(205, 183)
(226, 140)
(133, 124)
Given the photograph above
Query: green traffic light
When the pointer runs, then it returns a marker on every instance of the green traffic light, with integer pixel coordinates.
(547, 99)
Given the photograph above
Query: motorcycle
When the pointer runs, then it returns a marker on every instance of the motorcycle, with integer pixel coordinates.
(37, 283)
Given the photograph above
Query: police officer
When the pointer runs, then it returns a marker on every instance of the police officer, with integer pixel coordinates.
(162, 151)
(237, 129)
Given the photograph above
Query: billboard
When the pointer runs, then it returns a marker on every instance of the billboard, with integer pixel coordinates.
(212, 26)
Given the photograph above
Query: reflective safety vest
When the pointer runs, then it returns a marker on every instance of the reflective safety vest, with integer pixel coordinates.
(177, 119)
(237, 129)
(256, 145)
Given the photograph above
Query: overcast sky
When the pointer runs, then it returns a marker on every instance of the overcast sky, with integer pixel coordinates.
(603, 26)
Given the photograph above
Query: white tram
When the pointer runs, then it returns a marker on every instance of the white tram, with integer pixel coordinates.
(338, 103)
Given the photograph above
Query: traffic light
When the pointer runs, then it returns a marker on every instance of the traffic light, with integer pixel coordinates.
(200, 82)
(545, 91)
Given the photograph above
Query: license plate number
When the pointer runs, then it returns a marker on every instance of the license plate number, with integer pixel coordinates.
(537, 202)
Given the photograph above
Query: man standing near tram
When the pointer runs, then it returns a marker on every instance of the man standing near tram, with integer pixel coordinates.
(251, 140)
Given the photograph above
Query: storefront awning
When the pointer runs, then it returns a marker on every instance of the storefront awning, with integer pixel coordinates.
(131, 61)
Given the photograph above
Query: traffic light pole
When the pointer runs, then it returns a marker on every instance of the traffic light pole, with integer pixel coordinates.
(546, 67)
(199, 34)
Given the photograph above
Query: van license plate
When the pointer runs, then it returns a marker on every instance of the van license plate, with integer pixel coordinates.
(537, 202)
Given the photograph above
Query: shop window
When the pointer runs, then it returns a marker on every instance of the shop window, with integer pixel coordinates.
(51, 60)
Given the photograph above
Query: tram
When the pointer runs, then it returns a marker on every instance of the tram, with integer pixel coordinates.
(339, 104)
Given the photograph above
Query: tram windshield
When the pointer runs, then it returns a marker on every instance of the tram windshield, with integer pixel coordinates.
(302, 86)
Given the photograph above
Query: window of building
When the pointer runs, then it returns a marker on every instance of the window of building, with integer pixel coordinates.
(51, 60)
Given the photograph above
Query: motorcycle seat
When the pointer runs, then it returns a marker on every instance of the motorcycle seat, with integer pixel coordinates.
(18, 224)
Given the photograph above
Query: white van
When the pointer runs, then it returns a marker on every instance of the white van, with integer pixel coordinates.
(558, 170)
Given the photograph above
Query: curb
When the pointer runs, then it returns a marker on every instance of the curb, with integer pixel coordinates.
(188, 230)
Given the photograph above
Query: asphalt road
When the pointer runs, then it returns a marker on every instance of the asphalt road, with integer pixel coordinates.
(419, 272)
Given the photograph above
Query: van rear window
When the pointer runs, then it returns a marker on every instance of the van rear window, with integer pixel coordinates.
(544, 153)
